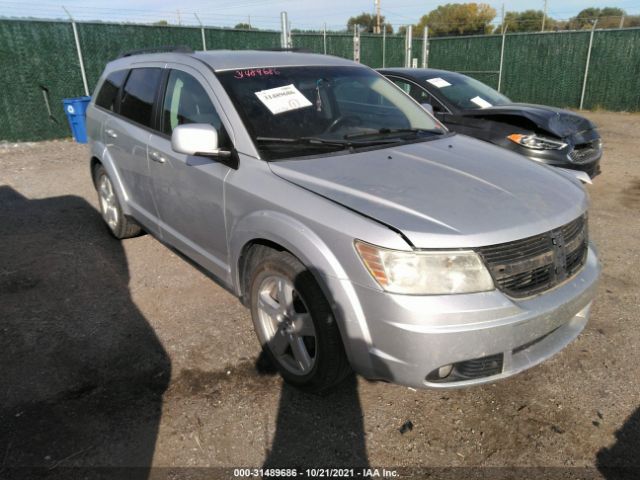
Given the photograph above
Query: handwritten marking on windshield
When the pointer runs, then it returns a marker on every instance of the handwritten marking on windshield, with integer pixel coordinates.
(255, 72)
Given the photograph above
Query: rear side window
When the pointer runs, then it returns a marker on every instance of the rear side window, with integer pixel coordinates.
(139, 93)
(109, 92)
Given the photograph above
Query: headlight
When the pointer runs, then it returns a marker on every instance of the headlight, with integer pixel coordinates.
(427, 272)
(535, 142)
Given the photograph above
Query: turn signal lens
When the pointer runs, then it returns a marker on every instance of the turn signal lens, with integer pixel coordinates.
(535, 142)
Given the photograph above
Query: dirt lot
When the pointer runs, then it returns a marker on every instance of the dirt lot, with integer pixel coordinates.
(122, 354)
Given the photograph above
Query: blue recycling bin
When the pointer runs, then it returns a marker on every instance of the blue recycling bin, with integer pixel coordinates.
(75, 109)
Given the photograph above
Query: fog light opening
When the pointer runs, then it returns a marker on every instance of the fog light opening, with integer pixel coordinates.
(445, 371)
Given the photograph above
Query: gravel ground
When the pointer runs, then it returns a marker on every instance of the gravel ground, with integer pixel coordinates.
(121, 354)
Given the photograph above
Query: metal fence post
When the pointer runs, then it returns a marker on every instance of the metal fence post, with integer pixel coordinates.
(284, 34)
(79, 50)
(586, 67)
(384, 44)
(408, 40)
(324, 37)
(425, 47)
(504, 36)
(204, 41)
(356, 44)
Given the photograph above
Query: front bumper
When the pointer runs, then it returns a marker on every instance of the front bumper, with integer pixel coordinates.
(559, 158)
(413, 336)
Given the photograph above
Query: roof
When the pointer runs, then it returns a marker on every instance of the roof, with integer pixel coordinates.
(238, 59)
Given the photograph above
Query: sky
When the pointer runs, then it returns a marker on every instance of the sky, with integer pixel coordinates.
(303, 14)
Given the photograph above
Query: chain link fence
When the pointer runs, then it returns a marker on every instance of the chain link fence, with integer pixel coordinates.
(40, 64)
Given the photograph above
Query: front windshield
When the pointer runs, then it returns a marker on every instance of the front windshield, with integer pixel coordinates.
(467, 93)
(299, 111)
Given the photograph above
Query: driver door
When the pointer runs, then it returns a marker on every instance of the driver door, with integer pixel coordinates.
(189, 190)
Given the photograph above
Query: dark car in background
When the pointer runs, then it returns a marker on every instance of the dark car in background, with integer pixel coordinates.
(549, 135)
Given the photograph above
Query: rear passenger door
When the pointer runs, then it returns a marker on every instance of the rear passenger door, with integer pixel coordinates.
(189, 190)
(127, 135)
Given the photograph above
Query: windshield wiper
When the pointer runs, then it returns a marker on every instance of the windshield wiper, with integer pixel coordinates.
(301, 141)
(318, 141)
(393, 131)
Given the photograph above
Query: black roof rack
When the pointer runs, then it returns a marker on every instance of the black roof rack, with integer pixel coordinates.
(165, 48)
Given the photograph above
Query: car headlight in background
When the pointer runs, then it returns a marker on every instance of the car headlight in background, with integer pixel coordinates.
(535, 142)
(425, 272)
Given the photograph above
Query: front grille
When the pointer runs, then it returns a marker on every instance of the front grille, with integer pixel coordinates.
(585, 152)
(535, 264)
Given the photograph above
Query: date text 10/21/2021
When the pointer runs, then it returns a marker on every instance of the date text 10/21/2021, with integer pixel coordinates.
(315, 473)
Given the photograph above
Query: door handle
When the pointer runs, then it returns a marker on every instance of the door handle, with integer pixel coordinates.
(156, 157)
(111, 133)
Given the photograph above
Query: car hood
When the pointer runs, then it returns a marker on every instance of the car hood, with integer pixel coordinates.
(559, 122)
(447, 193)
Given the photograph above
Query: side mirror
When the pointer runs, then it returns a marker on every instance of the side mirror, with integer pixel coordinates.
(197, 139)
(428, 107)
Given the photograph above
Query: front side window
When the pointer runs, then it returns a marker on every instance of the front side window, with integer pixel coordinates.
(186, 101)
(108, 94)
(414, 91)
(139, 93)
(299, 111)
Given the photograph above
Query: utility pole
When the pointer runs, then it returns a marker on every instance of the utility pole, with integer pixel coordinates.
(622, 21)
(377, 4)
(249, 23)
(544, 16)
(179, 19)
(502, 18)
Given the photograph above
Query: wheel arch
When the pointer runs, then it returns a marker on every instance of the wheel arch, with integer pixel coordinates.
(101, 156)
(284, 233)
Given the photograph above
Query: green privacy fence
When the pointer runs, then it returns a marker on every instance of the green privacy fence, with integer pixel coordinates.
(39, 64)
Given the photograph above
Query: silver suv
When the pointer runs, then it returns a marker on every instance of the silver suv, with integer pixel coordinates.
(361, 233)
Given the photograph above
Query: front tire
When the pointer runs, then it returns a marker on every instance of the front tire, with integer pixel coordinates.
(295, 324)
(119, 225)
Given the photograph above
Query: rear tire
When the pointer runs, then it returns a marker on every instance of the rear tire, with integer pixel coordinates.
(295, 324)
(119, 224)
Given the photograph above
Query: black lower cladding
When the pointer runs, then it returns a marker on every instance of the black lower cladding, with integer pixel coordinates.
(479, 367)
(536, 264)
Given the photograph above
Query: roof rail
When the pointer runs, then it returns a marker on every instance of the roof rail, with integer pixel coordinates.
(281, 49)
(162, 49)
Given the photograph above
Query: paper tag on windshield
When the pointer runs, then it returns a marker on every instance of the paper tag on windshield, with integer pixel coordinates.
(481, 102)
(438, 82)
(283, 99)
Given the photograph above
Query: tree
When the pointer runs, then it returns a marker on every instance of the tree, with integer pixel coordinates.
(527, 21)
(161, 23)
(608, 17)
(457, 19)
(242, 26)
(366, 22)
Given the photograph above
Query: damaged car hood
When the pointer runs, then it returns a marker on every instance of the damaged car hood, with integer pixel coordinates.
(447, 193)
(556, 121)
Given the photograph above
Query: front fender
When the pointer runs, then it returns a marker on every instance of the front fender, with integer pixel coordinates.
(302, 242)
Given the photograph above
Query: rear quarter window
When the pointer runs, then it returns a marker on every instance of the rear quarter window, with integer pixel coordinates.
(108, 93)
(139, 93)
